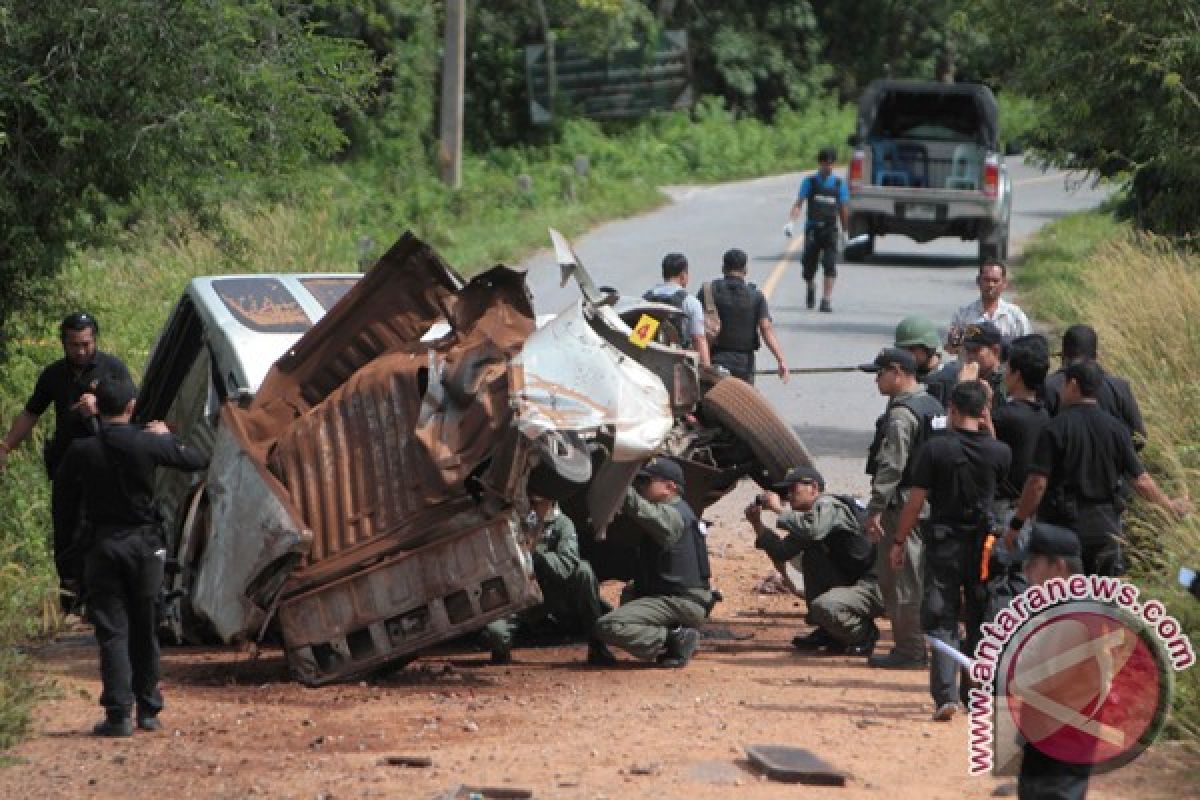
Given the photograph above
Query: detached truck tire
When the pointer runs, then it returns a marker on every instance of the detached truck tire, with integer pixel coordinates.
(745, 413)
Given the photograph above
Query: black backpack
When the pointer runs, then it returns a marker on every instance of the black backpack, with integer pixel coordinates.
(676, 299)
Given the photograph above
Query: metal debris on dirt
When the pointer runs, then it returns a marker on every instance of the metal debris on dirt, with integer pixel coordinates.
(794, 765)
(406, 761)
(464, 792)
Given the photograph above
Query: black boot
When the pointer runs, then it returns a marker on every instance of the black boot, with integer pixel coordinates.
(598, 654)
(681, 646)
(115, 723)
(816, 640)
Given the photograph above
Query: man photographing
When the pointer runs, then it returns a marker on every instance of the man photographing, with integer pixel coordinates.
(837, 561)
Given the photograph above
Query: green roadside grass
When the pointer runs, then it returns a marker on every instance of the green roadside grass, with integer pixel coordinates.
(333, 218)
(1143, 298)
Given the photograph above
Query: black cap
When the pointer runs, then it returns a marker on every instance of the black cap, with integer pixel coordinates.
(890, 356)
(982, 334)
(1053, 541)
(113, 395)
(799, 474)
(663, 468)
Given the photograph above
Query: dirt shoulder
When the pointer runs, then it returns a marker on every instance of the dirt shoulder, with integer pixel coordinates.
(235, 727)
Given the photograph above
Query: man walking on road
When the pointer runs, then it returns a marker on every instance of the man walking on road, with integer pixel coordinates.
(912, 416)
(957, 473)
(837, 561)
(673, 291)
(827, 197)
(663, 608)
(745, 320)
(109, 479)
(991, 307)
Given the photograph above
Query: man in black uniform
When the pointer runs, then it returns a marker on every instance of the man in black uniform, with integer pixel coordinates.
(1017, 422)
(745, 320)
(983, 347)
(1080, 344)
(958, 473)
(109, 480)
(663, 608)
(68, 384)
(837, 561)
(1082, 456)
(1053, 552)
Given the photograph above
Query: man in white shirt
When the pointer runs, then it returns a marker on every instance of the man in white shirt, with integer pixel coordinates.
(991, 307)
(673, 291)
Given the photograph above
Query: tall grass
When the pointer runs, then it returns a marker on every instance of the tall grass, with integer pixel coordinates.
(319, 221)
(1143, 298)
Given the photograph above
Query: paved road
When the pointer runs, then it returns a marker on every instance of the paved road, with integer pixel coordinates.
(833, 414)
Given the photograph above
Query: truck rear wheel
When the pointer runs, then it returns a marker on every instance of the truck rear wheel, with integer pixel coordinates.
(739, 407)
(993, 244)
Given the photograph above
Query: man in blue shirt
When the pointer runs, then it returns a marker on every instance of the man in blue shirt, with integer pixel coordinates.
(827, 197)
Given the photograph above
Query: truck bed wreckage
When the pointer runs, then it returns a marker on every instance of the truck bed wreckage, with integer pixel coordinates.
(366, 500)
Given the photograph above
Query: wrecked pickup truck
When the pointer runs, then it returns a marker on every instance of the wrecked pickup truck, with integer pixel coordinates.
(373, 439)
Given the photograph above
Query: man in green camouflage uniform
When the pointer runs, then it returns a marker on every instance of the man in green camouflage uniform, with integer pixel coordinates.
(837, 560)
(571, 596)
(662, 609)
(911, 415)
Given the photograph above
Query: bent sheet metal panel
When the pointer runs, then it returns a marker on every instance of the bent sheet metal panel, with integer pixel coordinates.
(571, 379)
(254, 530)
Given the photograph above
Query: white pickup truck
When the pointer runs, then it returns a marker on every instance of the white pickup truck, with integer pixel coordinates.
(928, 164)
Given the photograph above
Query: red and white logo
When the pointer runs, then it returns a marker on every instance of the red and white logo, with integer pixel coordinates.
(1085, 683)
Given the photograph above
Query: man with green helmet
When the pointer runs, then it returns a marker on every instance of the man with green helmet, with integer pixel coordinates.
(919, 336)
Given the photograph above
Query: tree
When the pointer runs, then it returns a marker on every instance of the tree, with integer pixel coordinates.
(1119, 84)
(104, 100)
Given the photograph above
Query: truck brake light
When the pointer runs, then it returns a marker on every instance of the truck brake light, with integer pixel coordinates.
(991, 177)
(856, 170)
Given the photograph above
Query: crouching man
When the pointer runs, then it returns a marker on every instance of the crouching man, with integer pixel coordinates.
(663, 608)
(837, 561)
(571, 597)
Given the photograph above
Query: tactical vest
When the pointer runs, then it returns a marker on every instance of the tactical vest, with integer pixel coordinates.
(676, 299)
(823, 200)
(736, 301)
(684, 565)
(849, 548)
(931, 417)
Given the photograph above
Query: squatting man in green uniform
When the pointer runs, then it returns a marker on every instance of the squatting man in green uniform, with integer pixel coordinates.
(837, 561)
(571, 596)
(664, 606)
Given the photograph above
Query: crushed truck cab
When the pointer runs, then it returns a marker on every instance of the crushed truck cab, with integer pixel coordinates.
(374, 439)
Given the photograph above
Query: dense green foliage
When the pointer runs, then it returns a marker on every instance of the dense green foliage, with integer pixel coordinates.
(101, 103)
(1120, 84)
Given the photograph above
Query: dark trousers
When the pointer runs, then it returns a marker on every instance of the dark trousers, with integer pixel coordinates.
(1046, 778)
(952, 589)
(820, 243)
(739, 364)
(1098, 527)
(123, 575)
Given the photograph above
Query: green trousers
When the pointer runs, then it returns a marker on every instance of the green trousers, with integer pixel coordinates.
(902, 588)
(843, 610)
(571, 605)
(640, 625)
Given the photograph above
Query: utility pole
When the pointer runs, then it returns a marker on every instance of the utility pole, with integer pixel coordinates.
(450, 151)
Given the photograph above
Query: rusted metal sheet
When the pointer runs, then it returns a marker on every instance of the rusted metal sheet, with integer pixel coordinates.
(409, 601)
